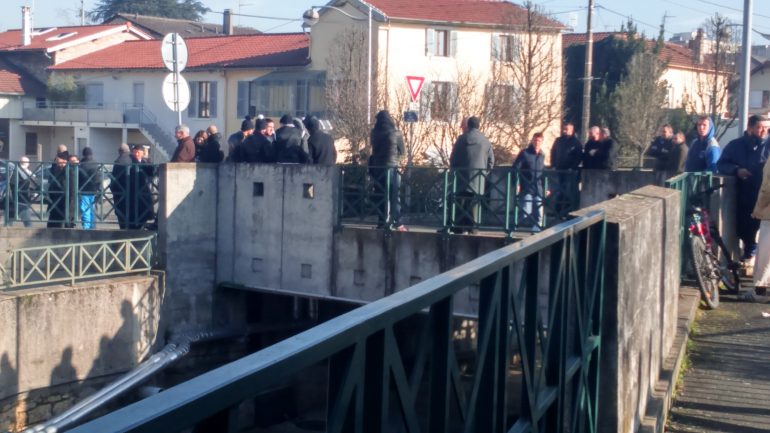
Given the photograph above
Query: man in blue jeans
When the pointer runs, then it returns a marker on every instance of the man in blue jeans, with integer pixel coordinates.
(529, 166)
(89, 181)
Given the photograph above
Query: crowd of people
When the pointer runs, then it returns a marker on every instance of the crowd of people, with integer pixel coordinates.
(296, 141)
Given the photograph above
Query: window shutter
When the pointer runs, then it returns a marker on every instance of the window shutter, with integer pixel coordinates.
(430, 41)
(426, 95)
(495, 46)
(213, 100)
(452, 43)
(192, 109)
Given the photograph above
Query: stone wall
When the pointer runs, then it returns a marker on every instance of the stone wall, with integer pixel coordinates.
(65, 335)
(640, 301)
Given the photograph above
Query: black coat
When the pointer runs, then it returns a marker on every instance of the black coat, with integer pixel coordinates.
(62, 197)
(566, 153)
(387, 146)
(662, 149)
(89, 176)
(288, 146)
(530, 166)
(255, 149)
(604, 157)
(471, 153)
(320, 144)
(212, 149)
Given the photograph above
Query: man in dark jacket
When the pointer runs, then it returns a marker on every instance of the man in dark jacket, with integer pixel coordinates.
(566, 155)
(247, 128)
(567, 151)
(599, 152)
(662, 147)
(745, 158)
(529, 165)
(387, 151)
(140, 204)
(288, 143)
(212, 148)
(470, 159)
(320, 144)
(62, 193)
(119, 184)
(185, 148)
(256, 148)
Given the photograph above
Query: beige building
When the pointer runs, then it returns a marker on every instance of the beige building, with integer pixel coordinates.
(759, 88)
(468, 53)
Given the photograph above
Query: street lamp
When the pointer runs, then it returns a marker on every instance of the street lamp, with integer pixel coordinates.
(310, 18)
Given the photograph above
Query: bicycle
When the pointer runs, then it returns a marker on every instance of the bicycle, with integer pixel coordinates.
(715, 272)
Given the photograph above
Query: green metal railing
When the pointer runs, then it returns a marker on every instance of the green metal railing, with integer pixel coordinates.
(533, 365)
(126, 195)
(445, 198)
(687, 184)
(74, 262)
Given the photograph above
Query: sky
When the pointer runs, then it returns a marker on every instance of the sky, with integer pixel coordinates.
(609, 15)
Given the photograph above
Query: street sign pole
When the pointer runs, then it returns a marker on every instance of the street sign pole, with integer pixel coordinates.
(176, 80)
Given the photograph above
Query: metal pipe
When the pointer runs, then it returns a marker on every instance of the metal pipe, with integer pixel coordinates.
(587, 75)
(369, 72)
(743, 108)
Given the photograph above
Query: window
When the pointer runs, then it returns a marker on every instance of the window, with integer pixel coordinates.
(203, 99)
(438, 101)
(94, 95)
(500, 102)
(759, 99)
(505, 48)
(242, 105)
(299, 97)
(441, 43)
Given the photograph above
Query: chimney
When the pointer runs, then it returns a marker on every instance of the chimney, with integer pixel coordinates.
(26, 25)
(227, 25)
(697, 47)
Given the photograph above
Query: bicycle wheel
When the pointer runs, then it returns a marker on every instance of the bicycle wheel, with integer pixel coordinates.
(706, 271)
(728, 271)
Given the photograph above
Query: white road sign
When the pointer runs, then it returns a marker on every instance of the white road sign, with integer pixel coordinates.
(167, 52)
(168, 92)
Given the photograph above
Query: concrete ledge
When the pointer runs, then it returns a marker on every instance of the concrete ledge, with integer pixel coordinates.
(660, 399)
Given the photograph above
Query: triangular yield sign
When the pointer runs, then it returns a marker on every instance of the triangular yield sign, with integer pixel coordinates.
(415, 85)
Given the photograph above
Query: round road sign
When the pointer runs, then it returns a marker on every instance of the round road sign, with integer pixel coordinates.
(168, 92)
(167, 52)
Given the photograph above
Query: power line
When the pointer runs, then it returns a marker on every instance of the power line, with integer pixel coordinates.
(628, 17)
(263, 17)
(732, 8)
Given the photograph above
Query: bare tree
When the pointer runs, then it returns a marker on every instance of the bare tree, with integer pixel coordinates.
(346, 87)
(716, 76)
(639, 102)
(524, 94)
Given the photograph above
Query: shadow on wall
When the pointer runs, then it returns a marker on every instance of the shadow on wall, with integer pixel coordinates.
(9, 383)
(115, 351)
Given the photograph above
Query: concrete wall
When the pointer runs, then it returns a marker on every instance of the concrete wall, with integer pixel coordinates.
(641, 300)
(600, 185)
(68, 334)
(187, 221)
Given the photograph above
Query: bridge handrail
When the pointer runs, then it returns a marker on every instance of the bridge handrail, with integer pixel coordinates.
(74, 262)
(442, 197)
(362, 335)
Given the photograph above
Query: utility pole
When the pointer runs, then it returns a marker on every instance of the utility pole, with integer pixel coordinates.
(587, 75)
(743, 108)
(82, 12)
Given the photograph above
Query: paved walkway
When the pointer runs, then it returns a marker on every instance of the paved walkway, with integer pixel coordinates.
(727, 386)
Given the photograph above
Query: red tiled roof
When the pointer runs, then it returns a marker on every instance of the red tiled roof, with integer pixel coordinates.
(675, 55)
(263, 50)
(49, 39)
(485, 12)
(13, 82)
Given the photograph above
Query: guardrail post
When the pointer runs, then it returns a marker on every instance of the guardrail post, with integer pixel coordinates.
(377, 384)
(440, 317)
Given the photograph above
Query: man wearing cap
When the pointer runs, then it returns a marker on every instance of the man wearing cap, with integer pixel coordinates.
(140, 206)
(185, 147)
(257, 148)
(236, 139)
(119, 184)
(288, 143)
